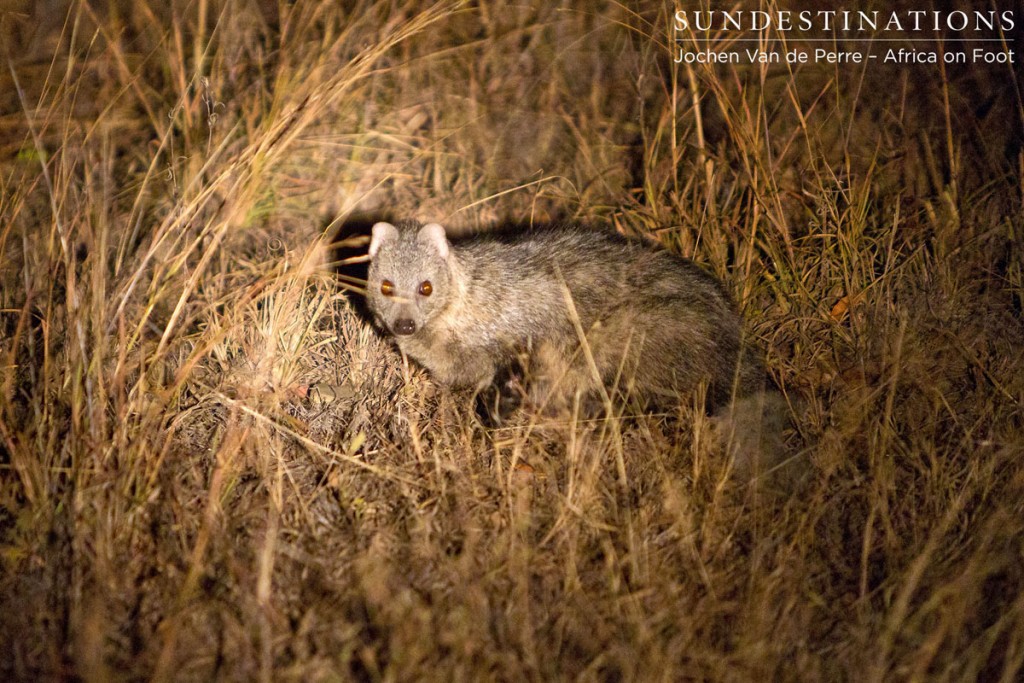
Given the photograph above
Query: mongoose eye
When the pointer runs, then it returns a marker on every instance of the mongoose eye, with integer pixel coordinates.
(426, 289)
(387, 288)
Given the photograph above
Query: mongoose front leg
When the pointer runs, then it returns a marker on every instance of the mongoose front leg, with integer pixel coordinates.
(501, 397)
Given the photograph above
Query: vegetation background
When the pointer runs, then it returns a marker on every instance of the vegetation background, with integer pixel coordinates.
(212, 468)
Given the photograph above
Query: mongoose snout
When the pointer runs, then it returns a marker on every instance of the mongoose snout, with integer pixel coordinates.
(404, 326)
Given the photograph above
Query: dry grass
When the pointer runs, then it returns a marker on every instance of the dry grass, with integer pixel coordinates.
(174, 505)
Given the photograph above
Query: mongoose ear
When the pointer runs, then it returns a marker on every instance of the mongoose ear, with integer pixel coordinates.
(382, 232)
(433, 235)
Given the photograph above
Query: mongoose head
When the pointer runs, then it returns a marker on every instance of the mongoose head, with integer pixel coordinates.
(409, 275)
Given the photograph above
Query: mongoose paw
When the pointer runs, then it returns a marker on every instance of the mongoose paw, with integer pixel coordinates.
(498, 400)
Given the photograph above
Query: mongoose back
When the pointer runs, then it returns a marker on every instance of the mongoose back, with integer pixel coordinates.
(470, 310)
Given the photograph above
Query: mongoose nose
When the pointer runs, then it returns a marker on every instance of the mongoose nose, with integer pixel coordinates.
(404, 326)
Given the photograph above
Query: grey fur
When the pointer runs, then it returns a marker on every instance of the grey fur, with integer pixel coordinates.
(655, 324)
